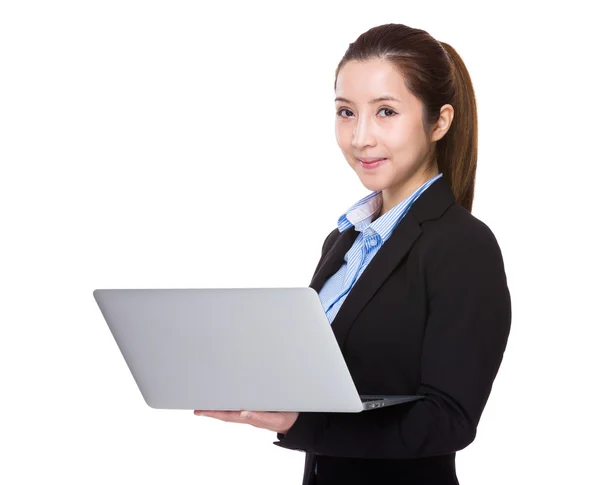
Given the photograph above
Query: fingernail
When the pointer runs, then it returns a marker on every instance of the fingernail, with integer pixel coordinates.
(246, 414)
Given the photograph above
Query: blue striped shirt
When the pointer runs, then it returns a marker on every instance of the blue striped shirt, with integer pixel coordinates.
(372, 236)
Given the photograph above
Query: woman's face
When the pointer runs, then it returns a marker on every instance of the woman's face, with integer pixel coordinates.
(373, 128)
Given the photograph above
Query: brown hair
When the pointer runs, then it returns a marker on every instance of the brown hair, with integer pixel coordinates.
(436, 75)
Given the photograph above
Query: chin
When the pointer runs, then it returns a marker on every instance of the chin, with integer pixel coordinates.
(372, 183)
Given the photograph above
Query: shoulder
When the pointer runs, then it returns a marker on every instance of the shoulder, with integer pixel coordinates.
(457, 226)
(459, 238)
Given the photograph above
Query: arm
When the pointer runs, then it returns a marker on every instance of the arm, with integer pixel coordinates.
(467, 329)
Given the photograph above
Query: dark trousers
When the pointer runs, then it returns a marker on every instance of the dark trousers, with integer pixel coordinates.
(436, 470)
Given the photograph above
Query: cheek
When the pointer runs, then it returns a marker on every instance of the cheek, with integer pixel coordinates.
(341, 135)
(344, 129)
(403, 139)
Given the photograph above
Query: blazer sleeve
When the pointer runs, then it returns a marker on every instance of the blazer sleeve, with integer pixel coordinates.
(468, 323)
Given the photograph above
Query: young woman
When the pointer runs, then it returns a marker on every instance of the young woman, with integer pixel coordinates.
(412, 283)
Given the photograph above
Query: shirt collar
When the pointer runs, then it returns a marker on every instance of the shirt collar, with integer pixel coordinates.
(361, 213)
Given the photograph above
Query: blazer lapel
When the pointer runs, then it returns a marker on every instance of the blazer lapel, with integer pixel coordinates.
(380, 267)
(431, 204)
(334, 259)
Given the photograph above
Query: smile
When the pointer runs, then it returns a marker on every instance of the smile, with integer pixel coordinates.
(372, 165)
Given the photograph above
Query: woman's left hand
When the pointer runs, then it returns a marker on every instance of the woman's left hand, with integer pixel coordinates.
(279, 422)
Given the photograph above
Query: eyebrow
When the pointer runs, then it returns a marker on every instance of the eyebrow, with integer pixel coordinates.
(373, 101)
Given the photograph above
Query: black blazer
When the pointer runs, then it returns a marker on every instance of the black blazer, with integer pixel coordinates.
(431, 316)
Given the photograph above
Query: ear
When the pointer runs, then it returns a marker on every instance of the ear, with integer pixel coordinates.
(443, 123)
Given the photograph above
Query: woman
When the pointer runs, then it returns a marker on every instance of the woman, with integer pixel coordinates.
(412, 283)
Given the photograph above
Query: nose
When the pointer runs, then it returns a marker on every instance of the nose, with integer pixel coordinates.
(363, 134)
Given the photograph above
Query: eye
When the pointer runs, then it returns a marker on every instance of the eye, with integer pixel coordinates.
(340, 111)
(389, 110)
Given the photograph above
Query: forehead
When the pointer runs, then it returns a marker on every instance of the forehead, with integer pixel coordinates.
(363, 81)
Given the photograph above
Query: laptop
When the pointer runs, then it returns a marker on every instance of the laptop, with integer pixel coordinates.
(231, 349)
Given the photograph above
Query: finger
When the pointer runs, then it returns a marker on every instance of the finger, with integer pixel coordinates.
(231, 416)
(247, 417)
(212, 413)
(258, 419)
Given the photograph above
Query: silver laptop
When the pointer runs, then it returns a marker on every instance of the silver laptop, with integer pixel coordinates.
(261, 349)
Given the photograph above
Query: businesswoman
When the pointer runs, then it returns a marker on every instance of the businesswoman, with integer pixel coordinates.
(413, 284)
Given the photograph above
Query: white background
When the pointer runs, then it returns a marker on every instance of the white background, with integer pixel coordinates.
(187, 144)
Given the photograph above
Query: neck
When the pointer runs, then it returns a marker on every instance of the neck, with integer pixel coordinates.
(392, 196)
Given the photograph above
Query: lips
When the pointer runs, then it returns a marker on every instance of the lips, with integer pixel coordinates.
(369, 160)
(371, 163)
